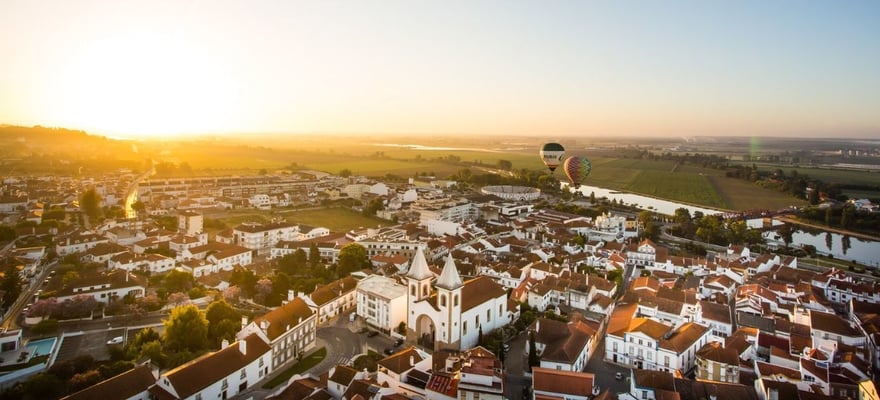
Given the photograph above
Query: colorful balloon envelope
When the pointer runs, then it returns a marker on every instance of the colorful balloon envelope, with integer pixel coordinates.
(577, 169)
(552, 155)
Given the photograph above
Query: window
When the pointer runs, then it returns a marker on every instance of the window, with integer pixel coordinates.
(477, 320)
(243, 374)
(455, 301)
(488, 315)
(412, 290)
(442, 300)
(464, 327)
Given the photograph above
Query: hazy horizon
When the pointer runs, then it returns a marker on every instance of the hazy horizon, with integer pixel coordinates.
(583, 69)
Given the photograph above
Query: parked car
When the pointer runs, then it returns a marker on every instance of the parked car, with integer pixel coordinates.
(389, 351)
(116, 340)
(618, 376)
(372, 333)
(398, 342)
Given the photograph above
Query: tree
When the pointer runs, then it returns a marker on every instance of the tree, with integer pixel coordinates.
(223, 322)
(314, 255)
(179, 281)
(7, 233)
(139, 207)
(90, 204)
(345, 173)
(829, 215)
(186, 329)
(813, 196)
(374, 206)
(352, 257)
(43, 386)
(10, 284)
(846, 217)
(262, 290)
(505, 165)
(178, 298)
(534, 360)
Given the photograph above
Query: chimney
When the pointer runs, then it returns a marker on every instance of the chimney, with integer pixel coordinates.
(242, 346)
(264, 325)
(224, 344)
(538, 325)
(244, 321)
(412, 361)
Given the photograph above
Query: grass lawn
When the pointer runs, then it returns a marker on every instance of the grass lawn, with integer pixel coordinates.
(335, 219)
(302, 366)
(370, 361)
(739, 194)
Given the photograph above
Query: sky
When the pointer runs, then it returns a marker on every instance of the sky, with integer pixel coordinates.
(539, 68)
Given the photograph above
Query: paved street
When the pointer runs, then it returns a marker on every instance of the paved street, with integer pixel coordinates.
(515, 363)
(605, 371)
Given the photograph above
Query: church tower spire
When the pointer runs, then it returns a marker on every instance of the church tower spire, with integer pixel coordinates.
(449, 278)
(419, 278)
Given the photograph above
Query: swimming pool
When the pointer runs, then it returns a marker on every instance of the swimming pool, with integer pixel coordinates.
(40, 347)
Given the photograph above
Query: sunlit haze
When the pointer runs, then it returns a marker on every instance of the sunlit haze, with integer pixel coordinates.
(165, 68)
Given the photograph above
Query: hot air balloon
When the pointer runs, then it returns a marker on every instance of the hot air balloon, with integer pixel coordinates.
(577, 169)
(552, 154)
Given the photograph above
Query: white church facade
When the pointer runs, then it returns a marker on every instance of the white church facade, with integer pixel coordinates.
(449, 313)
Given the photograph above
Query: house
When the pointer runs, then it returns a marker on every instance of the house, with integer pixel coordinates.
(262, 237)
(647, 344)
(334, 298)
(104, 287)
(289, 330)
(392, 371)
(715, 362)
(655, 385)
(218, 375)
(77, 242)
(476, 374)
(562, 346)
(149, 262)
(133, 384)
(555, 384)
(381, 302)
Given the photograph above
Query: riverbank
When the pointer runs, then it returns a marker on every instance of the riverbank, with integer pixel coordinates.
(794, 221)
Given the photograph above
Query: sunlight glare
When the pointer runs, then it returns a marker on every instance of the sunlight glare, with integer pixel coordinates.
(143, 84)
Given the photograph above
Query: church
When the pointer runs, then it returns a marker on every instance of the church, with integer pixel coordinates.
(450, 314)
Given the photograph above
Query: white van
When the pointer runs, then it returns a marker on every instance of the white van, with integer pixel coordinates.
(352, 317)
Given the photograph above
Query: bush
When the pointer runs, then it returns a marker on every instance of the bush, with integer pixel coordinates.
(45, 327)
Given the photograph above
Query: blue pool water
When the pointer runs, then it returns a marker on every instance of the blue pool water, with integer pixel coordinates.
(40, 347)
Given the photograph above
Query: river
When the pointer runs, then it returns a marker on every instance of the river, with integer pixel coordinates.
(865, 252)
(644, 202)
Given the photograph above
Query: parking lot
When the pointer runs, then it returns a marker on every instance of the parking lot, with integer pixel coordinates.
(90, 343)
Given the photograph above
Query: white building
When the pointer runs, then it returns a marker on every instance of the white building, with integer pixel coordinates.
(190, 222)
(219, 375)
(148, 262)
(257, 236)
(381, 302)
(643, 343)
(289, 329)
(451, 314)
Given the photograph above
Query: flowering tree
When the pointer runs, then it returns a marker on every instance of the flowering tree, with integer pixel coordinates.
(178, 298)
(263, 289)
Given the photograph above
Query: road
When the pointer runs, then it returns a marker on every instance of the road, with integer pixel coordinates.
(10, 319)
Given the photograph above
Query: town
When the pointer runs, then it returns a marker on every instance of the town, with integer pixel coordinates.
(471, 293)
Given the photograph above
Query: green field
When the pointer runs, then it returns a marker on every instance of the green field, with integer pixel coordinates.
(852, 177)
(685, 183)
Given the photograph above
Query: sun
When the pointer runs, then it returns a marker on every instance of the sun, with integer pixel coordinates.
(142, 84)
